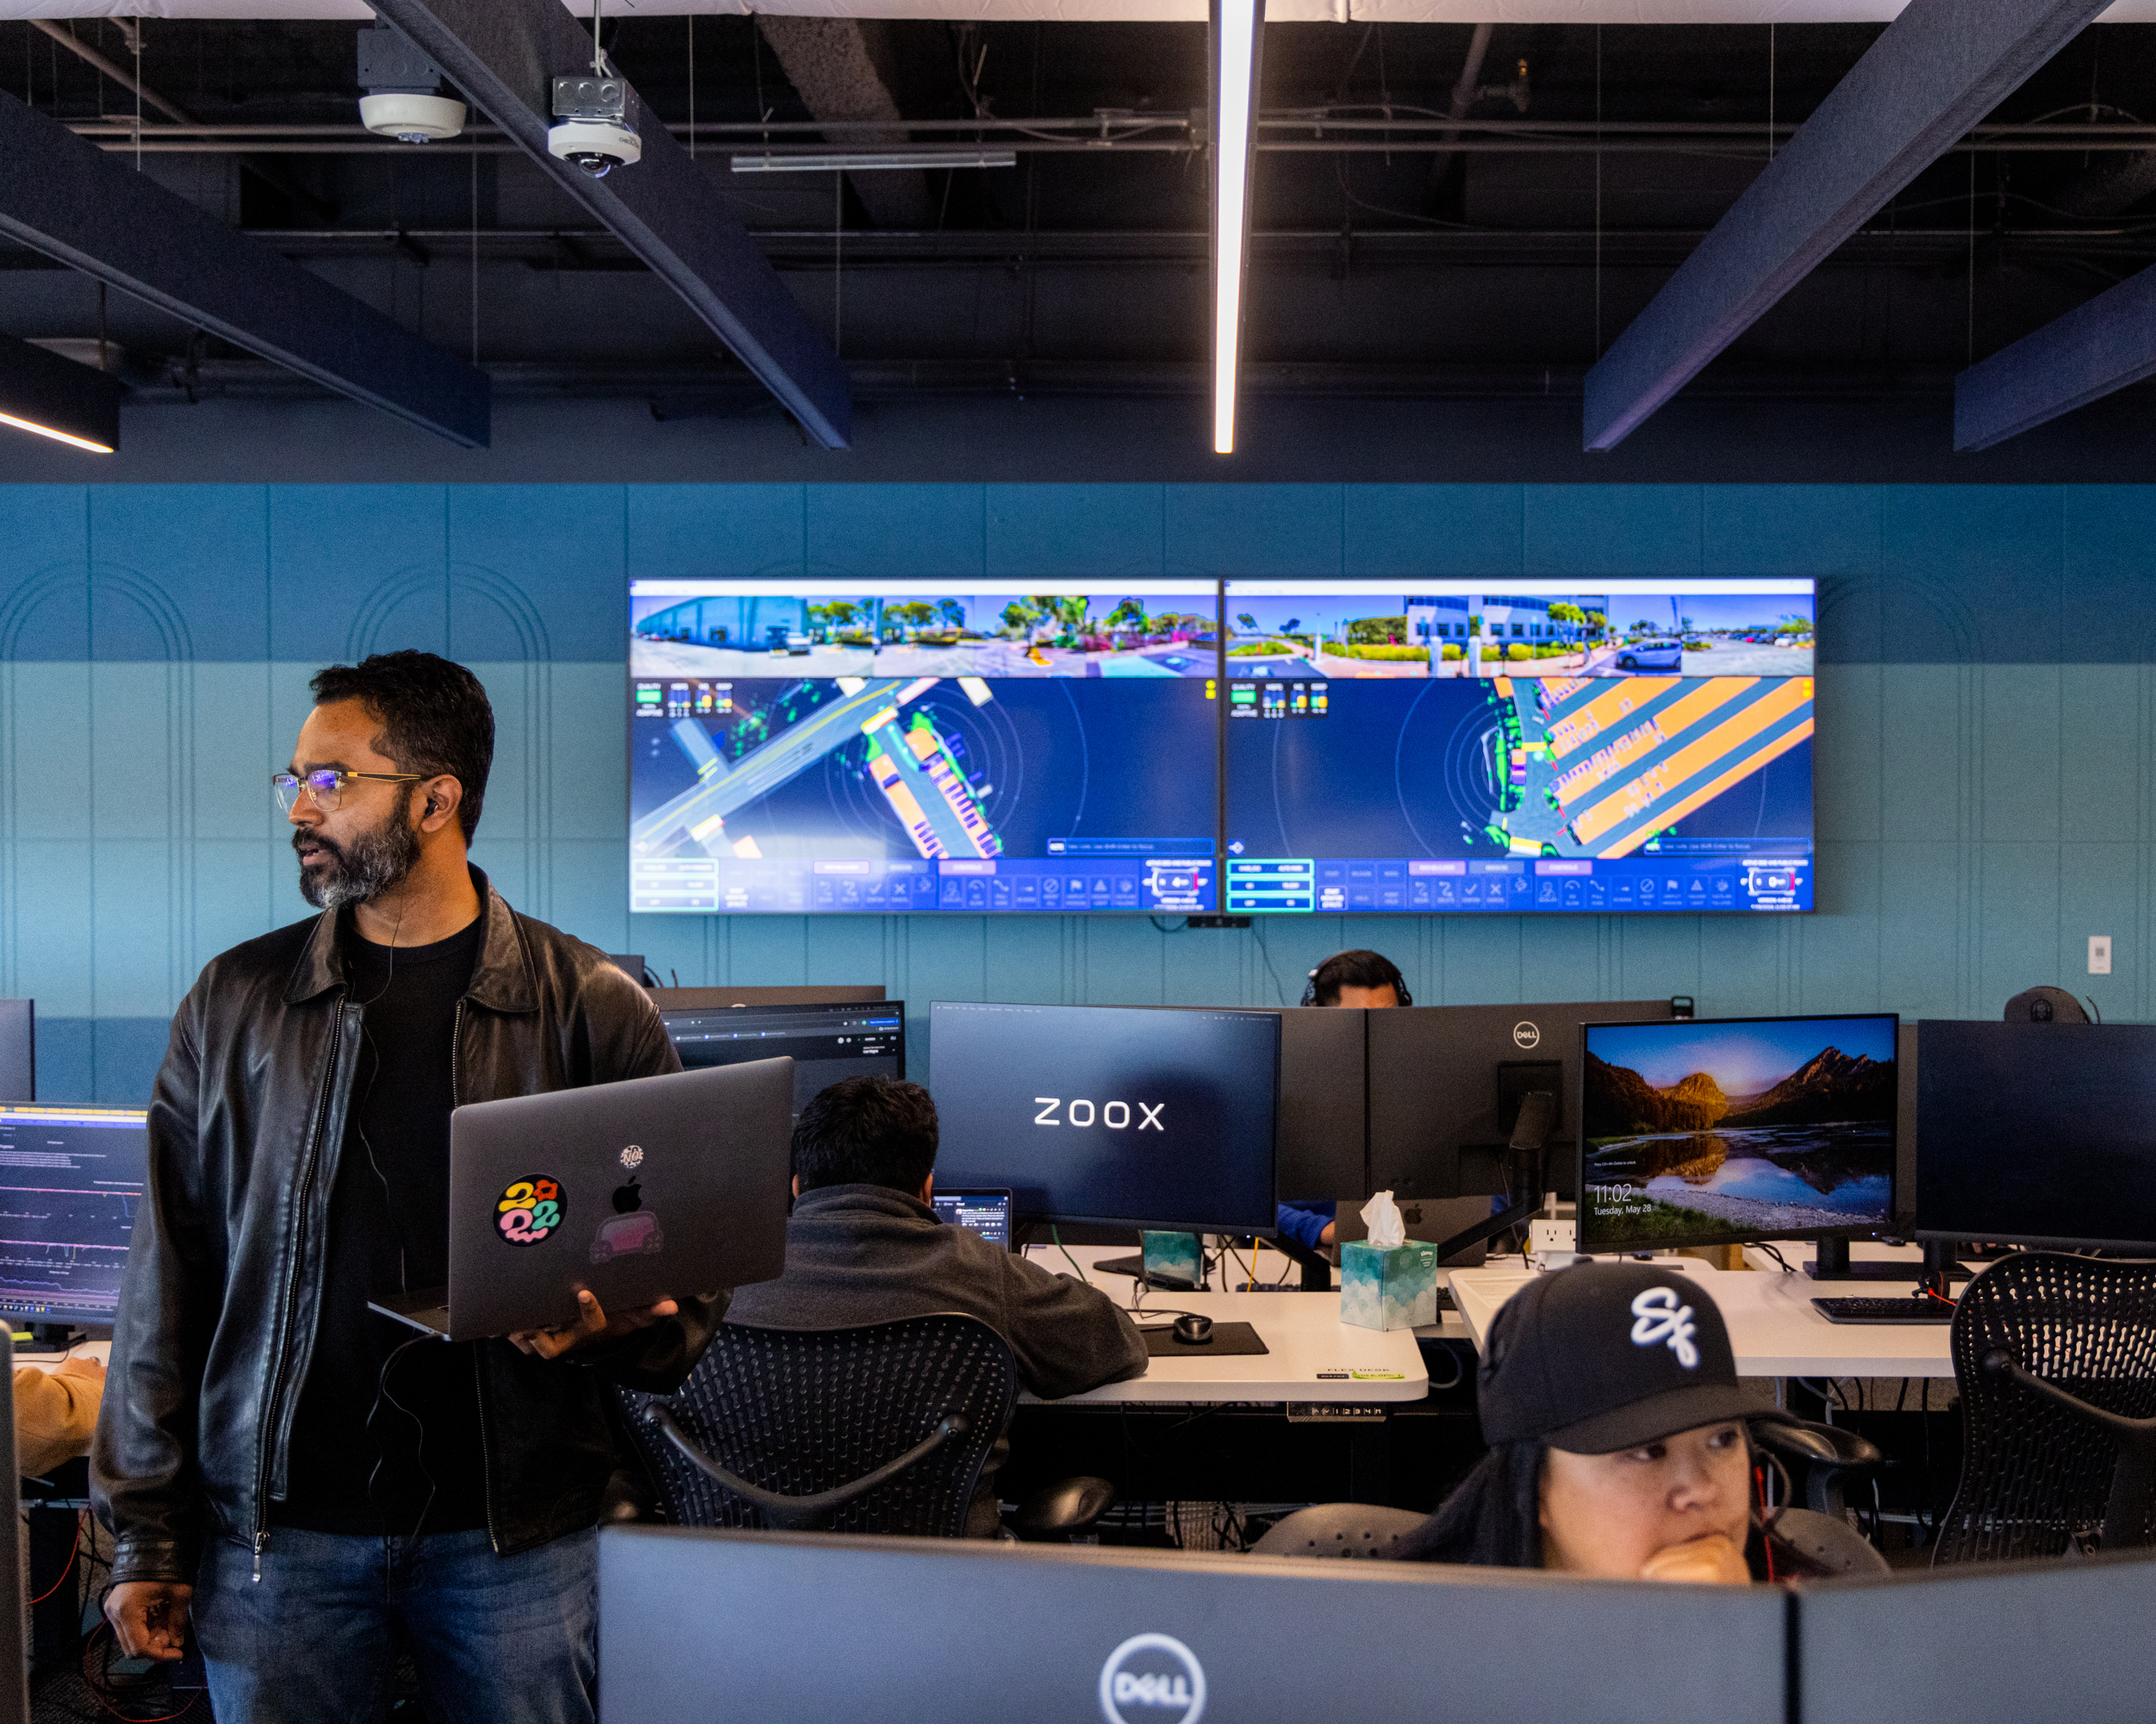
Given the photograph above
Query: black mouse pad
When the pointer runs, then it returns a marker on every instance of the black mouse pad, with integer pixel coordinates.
(1228, 1339)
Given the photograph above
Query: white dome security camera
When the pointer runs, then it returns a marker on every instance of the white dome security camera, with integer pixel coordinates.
(598, 146)
(411, 117)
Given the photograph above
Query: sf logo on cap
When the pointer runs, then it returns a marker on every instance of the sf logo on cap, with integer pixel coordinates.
(1657, 1317)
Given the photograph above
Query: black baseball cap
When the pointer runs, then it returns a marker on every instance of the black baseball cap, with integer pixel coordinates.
(1606, 1356)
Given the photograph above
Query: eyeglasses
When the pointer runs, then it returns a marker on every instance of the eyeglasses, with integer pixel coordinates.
(327, 786)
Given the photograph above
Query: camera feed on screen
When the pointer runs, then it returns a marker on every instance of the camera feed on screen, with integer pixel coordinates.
(1532, 745)
(1695, 1132)
(900, 745)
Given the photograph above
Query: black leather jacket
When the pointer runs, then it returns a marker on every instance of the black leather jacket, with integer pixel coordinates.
(219, 1304)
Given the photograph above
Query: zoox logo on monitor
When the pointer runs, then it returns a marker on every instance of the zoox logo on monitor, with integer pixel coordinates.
(1152, 1676)
(1117, 1116)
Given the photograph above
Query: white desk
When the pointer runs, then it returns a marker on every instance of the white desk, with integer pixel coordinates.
(1314, 1356)
(1772, 1327)
(99, 1350)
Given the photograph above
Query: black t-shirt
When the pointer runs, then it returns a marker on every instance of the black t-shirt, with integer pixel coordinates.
(388, 1232)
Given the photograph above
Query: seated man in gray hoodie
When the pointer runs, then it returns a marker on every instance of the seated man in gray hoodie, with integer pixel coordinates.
(864, 1246)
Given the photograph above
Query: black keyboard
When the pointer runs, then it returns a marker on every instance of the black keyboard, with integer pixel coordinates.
(1884, 1310)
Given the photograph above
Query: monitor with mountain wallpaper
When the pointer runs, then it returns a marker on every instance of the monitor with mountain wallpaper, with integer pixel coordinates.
(1717, 1132)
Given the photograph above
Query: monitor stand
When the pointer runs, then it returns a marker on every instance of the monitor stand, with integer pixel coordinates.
(50, 1337)
(1832, 1262)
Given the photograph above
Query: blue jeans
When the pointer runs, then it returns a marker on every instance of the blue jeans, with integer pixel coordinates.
(511, 1639)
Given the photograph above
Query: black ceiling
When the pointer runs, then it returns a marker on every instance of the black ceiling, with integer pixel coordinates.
(1493, 270)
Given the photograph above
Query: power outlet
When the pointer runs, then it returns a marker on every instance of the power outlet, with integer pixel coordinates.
(1551, 1236)
(2099, 955)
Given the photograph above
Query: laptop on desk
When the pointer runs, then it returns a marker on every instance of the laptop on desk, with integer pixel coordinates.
(640, 1190)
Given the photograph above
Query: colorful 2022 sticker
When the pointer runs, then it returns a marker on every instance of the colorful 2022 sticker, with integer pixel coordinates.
(530, 1210)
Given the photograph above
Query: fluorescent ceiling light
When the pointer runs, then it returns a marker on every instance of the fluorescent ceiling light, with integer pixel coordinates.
(51, 396)
(1235, 32)
(867, 161)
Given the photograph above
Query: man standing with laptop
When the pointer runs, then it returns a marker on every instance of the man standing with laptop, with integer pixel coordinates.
(305, 1483)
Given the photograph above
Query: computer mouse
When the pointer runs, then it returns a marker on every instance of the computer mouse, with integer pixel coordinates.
(1193, 1330)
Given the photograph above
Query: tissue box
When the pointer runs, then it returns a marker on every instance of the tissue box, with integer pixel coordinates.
(1395, 1289)
(1173, 1256)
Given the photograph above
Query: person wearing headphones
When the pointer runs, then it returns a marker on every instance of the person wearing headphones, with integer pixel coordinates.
(1359, 978)
(1618, 1449)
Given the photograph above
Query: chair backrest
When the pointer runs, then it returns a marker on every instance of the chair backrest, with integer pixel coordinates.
(2036, 1477)
(798, 1411)
(1333, 1529)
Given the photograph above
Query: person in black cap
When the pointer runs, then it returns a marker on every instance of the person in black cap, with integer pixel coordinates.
(1609, 1400)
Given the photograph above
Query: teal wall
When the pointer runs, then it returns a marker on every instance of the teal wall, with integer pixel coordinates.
(1985, 751)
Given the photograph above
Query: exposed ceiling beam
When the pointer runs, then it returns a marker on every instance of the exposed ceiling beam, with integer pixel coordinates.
(2096, 348)
(834, 66)
(1939, 68)
(503, 55)
(66, 198)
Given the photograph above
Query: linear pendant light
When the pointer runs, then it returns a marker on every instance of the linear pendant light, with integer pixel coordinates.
(54, 397)
(1238, 31)
(863, 161)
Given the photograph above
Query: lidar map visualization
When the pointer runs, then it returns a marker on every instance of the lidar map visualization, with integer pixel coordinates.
(900, 745)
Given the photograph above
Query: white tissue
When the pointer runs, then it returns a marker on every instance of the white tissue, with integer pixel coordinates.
(1382, 1215)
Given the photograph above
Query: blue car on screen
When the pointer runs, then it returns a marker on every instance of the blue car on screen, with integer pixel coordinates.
(1651, 655)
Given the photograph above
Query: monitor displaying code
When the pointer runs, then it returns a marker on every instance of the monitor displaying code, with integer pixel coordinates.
(71, 1181)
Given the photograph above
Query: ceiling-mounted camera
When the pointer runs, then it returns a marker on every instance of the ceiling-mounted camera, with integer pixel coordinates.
(404, 99)
(594, 123)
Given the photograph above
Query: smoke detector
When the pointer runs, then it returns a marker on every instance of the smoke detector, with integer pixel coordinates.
(404, 99)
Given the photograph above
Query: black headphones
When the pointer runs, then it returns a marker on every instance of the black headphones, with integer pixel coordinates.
(1398, 983)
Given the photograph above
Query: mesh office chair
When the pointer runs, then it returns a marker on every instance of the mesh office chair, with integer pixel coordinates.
(878, 1429)
(2055, 1357)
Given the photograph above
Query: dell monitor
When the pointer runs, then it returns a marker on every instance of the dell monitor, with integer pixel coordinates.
(1118, 1114)
(825, 1043)
(71, 1181)
(1446, 1084)
(2037, 1134)
(1729, 1131)
(18, 1050)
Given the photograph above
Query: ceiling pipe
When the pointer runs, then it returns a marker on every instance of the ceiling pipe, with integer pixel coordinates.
(113, 70)
(149, 98)
(1464, 95)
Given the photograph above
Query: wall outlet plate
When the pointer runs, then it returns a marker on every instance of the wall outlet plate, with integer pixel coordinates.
(2099, 955)
(1551, 1236)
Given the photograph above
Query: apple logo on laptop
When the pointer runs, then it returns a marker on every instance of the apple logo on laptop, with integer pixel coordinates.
(631, 1228)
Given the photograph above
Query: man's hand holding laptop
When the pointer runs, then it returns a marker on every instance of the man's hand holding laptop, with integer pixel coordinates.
(591, 1324)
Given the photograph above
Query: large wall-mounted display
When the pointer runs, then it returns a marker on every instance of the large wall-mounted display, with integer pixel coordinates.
(901, 745)
(1534, 745)
(1522, 745)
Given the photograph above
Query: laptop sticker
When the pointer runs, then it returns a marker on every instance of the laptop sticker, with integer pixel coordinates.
(631, 1228)
(529, 1209)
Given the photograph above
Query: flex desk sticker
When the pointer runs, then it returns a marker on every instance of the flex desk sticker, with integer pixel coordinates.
(529, 1209)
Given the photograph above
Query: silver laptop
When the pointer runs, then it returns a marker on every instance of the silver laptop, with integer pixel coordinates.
(650, 1189)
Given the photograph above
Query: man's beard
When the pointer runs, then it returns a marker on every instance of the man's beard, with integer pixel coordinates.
(373, 863)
